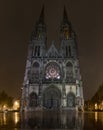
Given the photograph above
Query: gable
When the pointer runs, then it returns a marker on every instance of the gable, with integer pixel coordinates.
(52, 52)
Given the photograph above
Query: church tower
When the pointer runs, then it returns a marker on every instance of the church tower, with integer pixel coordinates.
(52, 76)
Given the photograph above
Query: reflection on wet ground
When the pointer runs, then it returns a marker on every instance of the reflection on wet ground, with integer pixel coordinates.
(51, 120)
(9, 120)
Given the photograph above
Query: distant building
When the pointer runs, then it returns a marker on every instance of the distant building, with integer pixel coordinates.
(52, 76)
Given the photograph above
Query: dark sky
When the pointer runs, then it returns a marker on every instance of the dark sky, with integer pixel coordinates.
(17, 18)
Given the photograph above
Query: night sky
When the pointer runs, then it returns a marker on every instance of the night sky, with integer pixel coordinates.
(17, 19)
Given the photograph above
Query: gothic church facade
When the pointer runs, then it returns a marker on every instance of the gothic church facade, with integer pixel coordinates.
(52, 77)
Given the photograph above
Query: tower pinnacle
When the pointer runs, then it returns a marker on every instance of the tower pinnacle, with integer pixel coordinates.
(66, 28)
(65, 17)
(41, 18)
(39, 31)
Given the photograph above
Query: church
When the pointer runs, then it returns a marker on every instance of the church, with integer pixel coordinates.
(52, 78)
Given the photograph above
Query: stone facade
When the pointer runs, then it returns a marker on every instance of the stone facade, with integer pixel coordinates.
(52, 76)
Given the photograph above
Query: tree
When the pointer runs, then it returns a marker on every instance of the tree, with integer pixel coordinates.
(5, 99)
(98, 95)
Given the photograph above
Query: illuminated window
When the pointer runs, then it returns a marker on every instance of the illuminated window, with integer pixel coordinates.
(52, 71)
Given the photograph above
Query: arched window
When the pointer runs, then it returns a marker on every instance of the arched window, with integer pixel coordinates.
(33, 99)
(36, 64)
(37, 51)
(35, 72)
(35, 68)
(68, 51)
(69, 70)
(69, 64)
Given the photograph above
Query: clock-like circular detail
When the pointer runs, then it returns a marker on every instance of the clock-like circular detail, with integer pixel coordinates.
(52, 71)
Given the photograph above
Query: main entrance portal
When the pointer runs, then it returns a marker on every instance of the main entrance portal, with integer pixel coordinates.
(52, 98)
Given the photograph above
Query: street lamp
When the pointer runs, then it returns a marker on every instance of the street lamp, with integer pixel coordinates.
(16, 105)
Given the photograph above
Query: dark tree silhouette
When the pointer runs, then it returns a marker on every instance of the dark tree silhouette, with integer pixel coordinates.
(98, 96)
(5, 99)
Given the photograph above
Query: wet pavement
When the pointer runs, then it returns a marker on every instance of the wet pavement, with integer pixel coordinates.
(53, 120)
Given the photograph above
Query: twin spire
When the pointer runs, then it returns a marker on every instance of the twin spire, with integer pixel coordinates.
(65, 16)
(40, 31)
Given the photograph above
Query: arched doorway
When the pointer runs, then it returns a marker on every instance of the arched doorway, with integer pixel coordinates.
(33, 99)
(52, 98)
(70, 100)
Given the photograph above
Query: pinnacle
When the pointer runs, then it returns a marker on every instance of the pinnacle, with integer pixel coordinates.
(41, 18)
(65, 17)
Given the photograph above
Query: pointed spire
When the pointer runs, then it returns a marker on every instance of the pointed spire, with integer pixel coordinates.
(41, 18)
(39, 32)
(66, 27)
(65, 17)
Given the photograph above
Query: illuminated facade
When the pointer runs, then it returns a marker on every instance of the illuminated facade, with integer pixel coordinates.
(52, 76)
